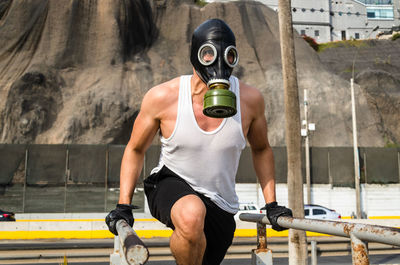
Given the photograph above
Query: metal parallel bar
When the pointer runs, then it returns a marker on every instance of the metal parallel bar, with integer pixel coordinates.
(364, 232)
(132, 249)
(359, 251)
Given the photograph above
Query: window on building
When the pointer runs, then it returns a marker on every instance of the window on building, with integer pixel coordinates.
(343, 35)
(303, 9)
(357, 35)
(316, 33)
(303, 32)
(312, 10)
(321, 10)
(380, 12)
(340, 13)
(376, 2)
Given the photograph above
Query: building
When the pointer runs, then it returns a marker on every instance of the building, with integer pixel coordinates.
(357, 19)
(332, 20)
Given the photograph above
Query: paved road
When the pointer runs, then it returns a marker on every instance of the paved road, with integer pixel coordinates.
(338, 260)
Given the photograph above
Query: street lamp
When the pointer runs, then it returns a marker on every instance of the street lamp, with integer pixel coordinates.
(355, 143)
(305, 133)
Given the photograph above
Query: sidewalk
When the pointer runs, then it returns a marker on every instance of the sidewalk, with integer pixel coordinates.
(92, 226)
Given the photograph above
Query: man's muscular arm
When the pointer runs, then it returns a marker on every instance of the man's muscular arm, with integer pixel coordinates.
(144, 129)
(263, 160)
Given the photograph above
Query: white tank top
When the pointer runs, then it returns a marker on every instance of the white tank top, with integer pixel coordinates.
(207, 161)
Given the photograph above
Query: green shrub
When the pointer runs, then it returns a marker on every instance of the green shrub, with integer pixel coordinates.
(311, 42)
(396, 36)
(201, 3)
(344, 43)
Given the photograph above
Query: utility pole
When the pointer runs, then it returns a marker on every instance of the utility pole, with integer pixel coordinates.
(355, 151)
(355, 142)
(297, 239)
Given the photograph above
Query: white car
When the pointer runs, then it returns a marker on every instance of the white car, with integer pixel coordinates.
(313, 211)
(247, 207)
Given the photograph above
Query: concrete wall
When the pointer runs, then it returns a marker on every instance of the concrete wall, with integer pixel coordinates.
(380, 202)
(85, 178)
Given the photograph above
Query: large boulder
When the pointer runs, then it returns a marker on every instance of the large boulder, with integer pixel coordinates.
(76, 71)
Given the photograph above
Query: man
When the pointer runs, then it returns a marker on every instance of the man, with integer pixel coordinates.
(204, 120)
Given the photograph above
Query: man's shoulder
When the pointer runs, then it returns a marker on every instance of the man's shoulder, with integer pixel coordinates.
(163, 92)
(249, 92)
(169, 86)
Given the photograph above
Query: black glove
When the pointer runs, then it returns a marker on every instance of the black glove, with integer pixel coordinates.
(122, 211)
(274, 211)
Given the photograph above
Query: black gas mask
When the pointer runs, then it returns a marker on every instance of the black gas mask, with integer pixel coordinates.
(213, 56)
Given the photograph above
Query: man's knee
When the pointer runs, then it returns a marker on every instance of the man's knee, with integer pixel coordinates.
(188, 215)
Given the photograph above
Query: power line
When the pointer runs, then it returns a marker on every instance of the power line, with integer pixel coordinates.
(332, 13)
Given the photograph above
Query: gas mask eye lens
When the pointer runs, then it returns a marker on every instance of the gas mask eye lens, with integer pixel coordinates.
(207, 54)
(231, 56)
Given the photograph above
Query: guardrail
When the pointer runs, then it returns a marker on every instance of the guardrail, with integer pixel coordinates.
(128, 248)
(358, 233)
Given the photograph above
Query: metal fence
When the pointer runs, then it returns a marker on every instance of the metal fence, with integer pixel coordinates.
(85, 178)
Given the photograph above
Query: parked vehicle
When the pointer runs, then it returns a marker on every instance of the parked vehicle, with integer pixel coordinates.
(247, 207)
(6, 216)
(313, 211)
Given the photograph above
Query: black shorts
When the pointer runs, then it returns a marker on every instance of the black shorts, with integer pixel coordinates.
(164, 188)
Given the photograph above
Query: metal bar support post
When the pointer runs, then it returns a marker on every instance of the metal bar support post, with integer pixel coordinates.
(115, 257)
(359, 251)
(314, 252)
(262, 255)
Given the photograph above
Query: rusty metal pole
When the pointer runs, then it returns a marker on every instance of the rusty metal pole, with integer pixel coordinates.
(262, 255)
(261, 236)
(297, 239)
(364, 232)
(359, 251)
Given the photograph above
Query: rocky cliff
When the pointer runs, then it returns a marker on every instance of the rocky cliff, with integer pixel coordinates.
(377, 71)
(74, 71)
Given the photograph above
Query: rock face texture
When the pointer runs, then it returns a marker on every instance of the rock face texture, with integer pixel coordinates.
(75, 71)
(377, 71)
